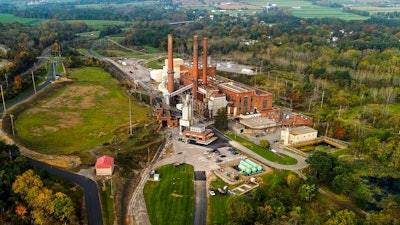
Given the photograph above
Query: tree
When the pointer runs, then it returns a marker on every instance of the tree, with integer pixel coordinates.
(307, 191)
(64, 207)
(221, 120)
(322, 165)
(265, 143)
(25, 182)
(277, 206)
(292, 181)
(344, 217)
(239, 210)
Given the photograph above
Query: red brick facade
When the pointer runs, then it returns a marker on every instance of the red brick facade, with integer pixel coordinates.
(164, 117)
(298, 120)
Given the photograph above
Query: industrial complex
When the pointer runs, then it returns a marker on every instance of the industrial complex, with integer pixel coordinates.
(193, 90)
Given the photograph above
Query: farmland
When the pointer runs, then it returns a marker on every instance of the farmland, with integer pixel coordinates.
(306, 9)
(9, 18)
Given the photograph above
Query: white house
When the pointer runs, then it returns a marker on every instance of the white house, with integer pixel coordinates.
(104, 166)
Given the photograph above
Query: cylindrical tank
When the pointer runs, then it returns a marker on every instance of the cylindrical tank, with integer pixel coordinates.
(259, 168)
(244, 169)
(245, 164)
(251, 162)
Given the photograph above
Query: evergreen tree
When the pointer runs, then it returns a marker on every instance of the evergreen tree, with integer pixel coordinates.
(221, 120)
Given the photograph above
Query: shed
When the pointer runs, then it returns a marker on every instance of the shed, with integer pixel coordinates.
(104, 165)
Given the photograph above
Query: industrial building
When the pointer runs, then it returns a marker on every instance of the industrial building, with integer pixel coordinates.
(298, 134)
(210, 93)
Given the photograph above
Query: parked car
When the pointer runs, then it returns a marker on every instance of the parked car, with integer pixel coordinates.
(212, 193)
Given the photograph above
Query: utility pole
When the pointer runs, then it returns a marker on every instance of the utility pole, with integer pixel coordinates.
(148, 156)
(322, 98)
(12, 124)
(130, 115)
(2, 97)
(33, 81)
(5, 76)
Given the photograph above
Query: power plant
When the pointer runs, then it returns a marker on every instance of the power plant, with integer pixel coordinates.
(202, 96)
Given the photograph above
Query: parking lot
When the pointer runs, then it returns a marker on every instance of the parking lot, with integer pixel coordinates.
(203, 158)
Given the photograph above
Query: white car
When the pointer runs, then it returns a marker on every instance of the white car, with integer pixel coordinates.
(212, 193)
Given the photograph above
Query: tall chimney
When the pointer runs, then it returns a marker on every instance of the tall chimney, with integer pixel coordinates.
(170, 71)
(195, 65)
(205, 63)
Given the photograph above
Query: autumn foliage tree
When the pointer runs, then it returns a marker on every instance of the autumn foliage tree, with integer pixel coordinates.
(46, 207)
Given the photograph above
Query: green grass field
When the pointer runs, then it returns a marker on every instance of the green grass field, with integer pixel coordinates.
(79, 116)
(99, 24)
(281, 159)
(9, 18)
(170, 201)
(216, 213)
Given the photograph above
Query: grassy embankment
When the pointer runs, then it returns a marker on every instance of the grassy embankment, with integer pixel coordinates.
(273, 157)
(170, 201)
(107, 204)
(77, 117)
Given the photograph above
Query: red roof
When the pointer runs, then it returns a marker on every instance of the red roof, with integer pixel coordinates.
(104, 162)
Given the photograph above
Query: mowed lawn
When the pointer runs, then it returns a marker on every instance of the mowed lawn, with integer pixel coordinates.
(170, 201)
(265, 153)
(80, 116)
(216, 213)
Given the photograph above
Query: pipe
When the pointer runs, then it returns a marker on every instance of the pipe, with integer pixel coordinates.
(195, 65)
(170, 71)
(205, 63)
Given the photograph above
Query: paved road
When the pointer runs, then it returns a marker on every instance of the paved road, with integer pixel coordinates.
(200, 207)
(31, 92)
(92, 201)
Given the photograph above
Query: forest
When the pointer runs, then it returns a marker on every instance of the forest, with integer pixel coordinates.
(345, 74)
(31, 196)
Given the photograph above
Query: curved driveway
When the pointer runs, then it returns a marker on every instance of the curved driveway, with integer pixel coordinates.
(92, 201)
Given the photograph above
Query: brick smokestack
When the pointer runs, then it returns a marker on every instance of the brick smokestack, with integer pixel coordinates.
(170, 71)
(205, 48)
(195, 65)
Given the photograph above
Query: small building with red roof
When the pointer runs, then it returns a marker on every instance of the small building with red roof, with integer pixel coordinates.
(104, 166)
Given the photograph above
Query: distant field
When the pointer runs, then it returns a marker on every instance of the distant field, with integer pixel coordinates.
(79, 116)
(99, 24)
(372, 9)
(306, 9)
(9, 18)
(114, 5)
